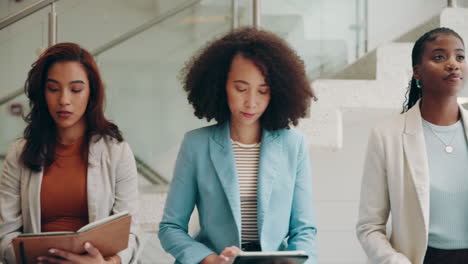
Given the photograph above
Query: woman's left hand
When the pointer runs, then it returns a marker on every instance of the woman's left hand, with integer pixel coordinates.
(93, 256)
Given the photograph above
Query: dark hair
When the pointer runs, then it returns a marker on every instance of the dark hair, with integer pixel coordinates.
(204, 77)
(413, 93)
(40, 132)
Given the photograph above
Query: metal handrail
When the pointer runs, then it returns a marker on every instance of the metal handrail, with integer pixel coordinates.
(29, 10)
(124, 37)
(11, 96)
(119, 39)
(149, 173)
(142, 168)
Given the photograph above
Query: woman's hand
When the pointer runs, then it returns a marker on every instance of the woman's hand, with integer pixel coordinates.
(93, 256)
(226, 257)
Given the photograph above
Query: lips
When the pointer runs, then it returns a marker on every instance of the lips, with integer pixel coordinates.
(453, 77)
(247, 115)
(64, 114)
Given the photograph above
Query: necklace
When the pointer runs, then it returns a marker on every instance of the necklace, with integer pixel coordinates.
(448, 146)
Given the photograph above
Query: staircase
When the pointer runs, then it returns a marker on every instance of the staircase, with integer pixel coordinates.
(378, 80)
(350, 104)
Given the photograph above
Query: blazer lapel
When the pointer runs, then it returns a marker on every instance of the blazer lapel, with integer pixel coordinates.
(270, 157)
(415, 151)
(464, 117)
(94, 168)
(35, 200)
(222, 156)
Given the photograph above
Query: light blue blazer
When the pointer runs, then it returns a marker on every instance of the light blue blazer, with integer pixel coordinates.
(205, 176)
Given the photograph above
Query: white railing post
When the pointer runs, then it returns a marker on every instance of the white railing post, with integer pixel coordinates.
(52, 26)
(452, 3)
(256, 13)
(234, 14)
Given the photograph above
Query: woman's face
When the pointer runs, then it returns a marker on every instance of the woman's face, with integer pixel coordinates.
(443, 68)
(248, 94)
(67, 94)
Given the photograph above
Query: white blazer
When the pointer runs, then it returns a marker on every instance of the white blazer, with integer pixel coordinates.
(396, 181)
(111, 188)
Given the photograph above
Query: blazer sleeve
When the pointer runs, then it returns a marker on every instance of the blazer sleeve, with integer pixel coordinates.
(126, 199)
(374, 207)
(181, 199)
(11, 220)
(302, 226)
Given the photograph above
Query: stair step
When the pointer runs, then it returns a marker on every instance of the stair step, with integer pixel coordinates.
(384, 72)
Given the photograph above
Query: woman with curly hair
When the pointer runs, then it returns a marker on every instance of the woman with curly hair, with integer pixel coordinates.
(72, 167)
(249, 174)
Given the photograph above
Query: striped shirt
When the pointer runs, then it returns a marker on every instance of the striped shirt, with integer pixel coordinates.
(247, 159)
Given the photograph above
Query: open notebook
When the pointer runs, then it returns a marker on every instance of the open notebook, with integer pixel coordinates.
(109, 235)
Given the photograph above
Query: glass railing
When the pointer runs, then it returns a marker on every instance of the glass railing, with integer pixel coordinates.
(95, 23)
(327, 34)
(19, 45)
(461, 3)
(139, 56)
(145, 97)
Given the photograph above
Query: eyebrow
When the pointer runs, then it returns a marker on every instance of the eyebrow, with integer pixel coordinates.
(72, 82)
(444, 50)
(247, 83)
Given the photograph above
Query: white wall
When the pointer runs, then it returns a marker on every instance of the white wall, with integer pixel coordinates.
(337, 184)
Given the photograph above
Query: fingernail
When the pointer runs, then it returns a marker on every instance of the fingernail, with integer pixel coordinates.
(52, 251)
(87, 245)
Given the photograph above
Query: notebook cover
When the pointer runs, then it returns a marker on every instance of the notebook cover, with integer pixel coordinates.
(110, 238)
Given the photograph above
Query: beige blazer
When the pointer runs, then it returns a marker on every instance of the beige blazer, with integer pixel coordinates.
(112, 187)
(396, 181)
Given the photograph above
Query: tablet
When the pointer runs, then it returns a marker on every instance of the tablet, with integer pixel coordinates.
(276, 257)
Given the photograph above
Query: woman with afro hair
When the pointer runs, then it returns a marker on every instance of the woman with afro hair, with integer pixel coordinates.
(249, 174)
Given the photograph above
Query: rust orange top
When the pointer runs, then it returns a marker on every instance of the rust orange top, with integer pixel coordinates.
(64, 204)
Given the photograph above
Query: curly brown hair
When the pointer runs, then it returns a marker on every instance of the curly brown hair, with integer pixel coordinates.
(205, 75)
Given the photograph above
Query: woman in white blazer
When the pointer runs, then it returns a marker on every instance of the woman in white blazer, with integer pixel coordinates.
(416, 165)
(66, 96)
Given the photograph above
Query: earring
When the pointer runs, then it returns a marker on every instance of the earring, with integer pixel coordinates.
(418, 84)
